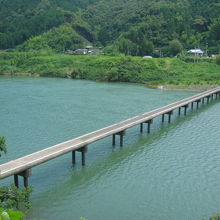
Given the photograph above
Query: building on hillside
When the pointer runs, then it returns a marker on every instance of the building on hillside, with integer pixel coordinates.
(196, 52)
(87, 50)
(80, 51)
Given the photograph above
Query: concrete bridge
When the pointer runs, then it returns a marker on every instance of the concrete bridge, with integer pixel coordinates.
(22, 166)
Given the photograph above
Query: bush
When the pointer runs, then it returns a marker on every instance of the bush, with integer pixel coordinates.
(215, 217)
(218, 59)
(13, 215)
(2, 145)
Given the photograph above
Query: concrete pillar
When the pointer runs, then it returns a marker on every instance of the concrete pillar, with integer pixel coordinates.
(148, 127)
(121, 134)
(149, 122)
(25, 181)
(113, 139)
(121, 140)
(208, 97)
(197, 103)
(141, 127)
(83, 154)
(179, 111)
(16, 180)
(169, 116)
(185, 108)
(74, 157)
(83, 151)
(25, 174)
(203, 100)
(192, 105)
(162, 118)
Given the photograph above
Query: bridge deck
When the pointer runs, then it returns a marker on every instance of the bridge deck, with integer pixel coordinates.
(34, 159)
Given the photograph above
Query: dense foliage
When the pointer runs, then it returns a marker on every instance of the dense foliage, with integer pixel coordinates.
(183, 70)
(10, 214)
(2, 145)
(134, 27)
(61, 38)
(12, 198)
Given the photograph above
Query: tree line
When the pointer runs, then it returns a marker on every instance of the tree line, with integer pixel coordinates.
(132, 27)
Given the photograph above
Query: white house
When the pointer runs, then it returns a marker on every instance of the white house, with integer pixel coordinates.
(196, 52)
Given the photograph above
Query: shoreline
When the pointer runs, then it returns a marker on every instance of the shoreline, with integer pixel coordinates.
(187, 88)
(170, 87)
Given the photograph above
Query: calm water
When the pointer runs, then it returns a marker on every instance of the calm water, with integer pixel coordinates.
(173, 173)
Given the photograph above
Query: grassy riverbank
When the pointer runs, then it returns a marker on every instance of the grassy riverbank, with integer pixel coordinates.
(153, 72)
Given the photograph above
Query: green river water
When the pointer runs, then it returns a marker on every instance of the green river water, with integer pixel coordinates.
(171, 174)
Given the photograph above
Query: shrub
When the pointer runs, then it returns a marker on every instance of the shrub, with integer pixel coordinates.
(11, 214)
(218, 59)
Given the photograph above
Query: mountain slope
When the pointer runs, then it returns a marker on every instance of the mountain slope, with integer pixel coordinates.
(130, 26)
(24, 18)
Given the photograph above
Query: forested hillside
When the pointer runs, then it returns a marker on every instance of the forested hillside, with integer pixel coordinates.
(132, 27)
(23, 19)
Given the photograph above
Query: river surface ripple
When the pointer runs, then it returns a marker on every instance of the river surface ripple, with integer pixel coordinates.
(173, 173)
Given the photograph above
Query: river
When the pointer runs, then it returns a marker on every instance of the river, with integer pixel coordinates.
(170, 174)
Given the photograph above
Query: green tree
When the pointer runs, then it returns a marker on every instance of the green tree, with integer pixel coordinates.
(13, 197)
(175, 47)
(218, 59)
(2, 145)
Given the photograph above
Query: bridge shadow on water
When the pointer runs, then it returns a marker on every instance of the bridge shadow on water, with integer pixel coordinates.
(81, 177)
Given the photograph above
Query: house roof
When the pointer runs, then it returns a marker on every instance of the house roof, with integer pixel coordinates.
(195, 51)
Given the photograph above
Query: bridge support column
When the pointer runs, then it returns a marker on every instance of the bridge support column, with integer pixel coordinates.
(74, 157)
(203, 100)
(25, 174)
(121, 134)
(16, 180)
(162, 118)
(185, 108)
(169, 116)
(141, 127)
(149, 122)
(179, 111)
(192, 105)
(197, 103)
(83, 151)
(208, 97)
(113, 139)
(216, 95)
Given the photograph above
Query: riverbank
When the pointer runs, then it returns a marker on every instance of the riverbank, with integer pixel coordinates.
(164, 73)
(187, 88)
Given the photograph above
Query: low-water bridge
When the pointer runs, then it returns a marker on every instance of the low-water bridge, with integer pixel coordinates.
(22, 166)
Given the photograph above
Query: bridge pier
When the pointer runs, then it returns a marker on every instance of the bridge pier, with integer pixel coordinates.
(197, 103)
(169, 116)
(203, 100)
(192, 106)
(25, 174)
(179, 111)
(148, 122)
(83, 151)
(141, 127)
(121, 134)
(208, 97)
(162, 118)
(74, 157)
(185, 108)
(16, 180)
